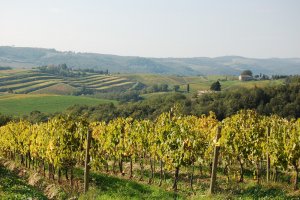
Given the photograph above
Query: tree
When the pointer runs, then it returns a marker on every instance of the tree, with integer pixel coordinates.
(247, 72)
(36, 117)
(155, 88)
(4, 119)
(216, 86)
(176, 88)
(164, 87)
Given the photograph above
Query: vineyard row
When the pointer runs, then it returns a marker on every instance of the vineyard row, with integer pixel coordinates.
(246, 140)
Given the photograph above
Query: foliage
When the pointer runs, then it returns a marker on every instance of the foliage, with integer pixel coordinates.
(216, 86)
(283, 100)
(173, 139)
(4, 119)
(61, 70)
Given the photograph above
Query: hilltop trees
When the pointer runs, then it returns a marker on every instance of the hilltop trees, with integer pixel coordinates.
(60, 70)
(64, 71)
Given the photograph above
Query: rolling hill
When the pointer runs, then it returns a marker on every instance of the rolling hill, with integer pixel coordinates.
(25, 57)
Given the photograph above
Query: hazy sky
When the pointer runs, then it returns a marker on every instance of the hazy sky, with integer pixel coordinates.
(155, 28)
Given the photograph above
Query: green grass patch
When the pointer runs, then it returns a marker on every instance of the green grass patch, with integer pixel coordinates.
(13, 187)
(18, 105)
(107, 187)
(155, 94)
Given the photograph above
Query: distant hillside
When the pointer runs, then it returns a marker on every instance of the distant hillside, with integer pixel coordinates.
(24, 57)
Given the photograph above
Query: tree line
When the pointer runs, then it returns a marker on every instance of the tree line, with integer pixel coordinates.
(64, 71)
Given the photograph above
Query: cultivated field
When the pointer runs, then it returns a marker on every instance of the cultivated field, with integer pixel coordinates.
(21, 104)
(31, 81)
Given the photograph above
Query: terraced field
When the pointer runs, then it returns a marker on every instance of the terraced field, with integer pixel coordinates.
(31, 81)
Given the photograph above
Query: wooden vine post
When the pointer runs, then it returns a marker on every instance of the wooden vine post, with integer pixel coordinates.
(86, 163)
(215, 163)
(268, 155)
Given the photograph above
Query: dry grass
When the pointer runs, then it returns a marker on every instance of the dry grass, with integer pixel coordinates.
(35, 179)
(52, 191)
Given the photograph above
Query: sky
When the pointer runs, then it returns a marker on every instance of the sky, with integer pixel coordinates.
(155, 28)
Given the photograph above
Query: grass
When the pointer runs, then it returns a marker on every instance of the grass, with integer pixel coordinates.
(109, 187)
(34, 87)
(91, 77)
(24, 80)
(9, 72)
(95, 79)
(117, 187)
(13, 187)
(18, 105)
(120, 187)
(93, 82)
(102, 186)
(117, 84)
(151, 79)
(115, 81)
(60, 89)
(22, 85)
(151, 95)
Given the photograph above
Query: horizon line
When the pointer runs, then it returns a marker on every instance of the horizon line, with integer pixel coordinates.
(153, 57)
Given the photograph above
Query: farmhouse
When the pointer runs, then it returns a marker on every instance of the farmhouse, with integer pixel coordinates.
(245, 78)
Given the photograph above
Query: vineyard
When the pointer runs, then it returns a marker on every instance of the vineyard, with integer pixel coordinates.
(30, 81)
(267, 147)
